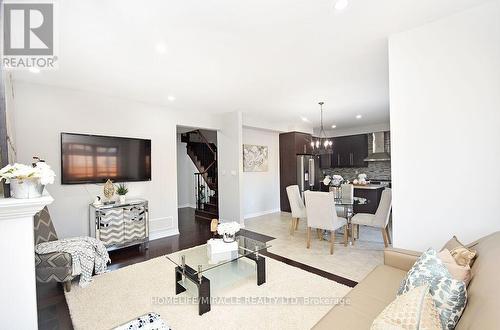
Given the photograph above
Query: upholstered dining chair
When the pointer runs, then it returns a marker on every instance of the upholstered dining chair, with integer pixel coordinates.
(297, 206)
(56, 266)
(381, 217)
(322, 215)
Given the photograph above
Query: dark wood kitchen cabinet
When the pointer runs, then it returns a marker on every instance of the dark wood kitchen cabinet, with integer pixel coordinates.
(291, 145)
(350, 151)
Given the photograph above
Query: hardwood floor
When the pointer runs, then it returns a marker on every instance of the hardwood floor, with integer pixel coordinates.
(53, 311)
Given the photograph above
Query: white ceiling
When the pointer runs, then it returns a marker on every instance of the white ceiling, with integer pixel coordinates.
(270, 58)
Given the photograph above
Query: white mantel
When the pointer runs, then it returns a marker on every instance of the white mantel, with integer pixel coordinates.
(18, 308)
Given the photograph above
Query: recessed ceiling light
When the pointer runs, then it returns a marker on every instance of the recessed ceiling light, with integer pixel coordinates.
(334, 126)
(304, 119)
(34, 70)
(359, 116)
(171, 98)
(161, 48)
(341, 4)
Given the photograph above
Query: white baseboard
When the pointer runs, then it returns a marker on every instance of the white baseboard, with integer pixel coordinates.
(163, 233)
(258, 214)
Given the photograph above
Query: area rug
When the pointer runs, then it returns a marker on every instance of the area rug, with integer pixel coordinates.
(352, 262)
(290, 299)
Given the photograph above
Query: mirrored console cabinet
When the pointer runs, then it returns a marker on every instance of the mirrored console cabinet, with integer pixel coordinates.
(120, 225)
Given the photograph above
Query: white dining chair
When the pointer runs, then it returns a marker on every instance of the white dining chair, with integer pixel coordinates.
(321, 214)
(381, 217)
(296, 205)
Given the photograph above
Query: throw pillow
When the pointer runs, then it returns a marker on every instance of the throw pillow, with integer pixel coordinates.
(462, 255)
(450, 295)
(412, 311)
(460, 273)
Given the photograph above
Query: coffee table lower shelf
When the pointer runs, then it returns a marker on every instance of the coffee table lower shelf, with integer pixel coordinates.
(203, 283)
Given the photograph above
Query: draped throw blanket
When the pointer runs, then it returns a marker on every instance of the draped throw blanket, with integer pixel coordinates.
(87, 254)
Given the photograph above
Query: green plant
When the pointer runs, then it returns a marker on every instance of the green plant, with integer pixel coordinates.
(121, 189)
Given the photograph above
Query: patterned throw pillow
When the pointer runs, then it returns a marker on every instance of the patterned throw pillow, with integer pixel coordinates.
(412, 311)
(463, 256)
(450, 295)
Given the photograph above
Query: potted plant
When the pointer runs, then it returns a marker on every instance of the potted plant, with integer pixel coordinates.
(27, 181)
(228, 231)
(122, 190)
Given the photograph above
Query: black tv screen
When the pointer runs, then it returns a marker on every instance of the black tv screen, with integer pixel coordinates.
(94, 159)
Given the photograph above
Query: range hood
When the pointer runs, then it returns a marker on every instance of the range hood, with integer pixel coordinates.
(379, 154)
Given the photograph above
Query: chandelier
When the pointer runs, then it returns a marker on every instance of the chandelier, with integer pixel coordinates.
(321, 141)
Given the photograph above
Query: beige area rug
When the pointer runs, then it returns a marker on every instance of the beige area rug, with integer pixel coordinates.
(116, 297)
(352, 262)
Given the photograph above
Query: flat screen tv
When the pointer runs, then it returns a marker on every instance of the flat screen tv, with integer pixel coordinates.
(94, 159)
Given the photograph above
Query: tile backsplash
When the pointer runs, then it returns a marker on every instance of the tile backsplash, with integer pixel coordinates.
(375, 170)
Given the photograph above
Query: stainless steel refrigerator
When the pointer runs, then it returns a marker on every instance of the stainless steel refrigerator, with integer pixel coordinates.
(307, 173)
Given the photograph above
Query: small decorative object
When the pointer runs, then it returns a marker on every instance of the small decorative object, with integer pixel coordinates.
(97, 201)
(255, 158)
(327, 180)
(228, 231)
(109, 189)
(122, 190)
(27, 181)
(213, 226)
(362, 178)
(337, 180)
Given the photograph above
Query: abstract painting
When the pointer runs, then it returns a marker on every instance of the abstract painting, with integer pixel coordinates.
(255, 158)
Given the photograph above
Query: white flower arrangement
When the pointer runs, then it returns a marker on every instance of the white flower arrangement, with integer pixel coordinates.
(228, 228)
(335, 180)
(21, 172)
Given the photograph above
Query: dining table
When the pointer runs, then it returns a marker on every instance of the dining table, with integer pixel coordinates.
(345, 209)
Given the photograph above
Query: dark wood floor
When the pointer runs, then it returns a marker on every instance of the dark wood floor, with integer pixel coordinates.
(53, 311)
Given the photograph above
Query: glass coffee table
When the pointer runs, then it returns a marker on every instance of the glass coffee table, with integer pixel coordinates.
(194, 263)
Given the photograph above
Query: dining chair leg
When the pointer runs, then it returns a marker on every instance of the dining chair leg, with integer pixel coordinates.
(332, 240)
(319, 232)
(296, 223)
(388, 236)
(357, 231)
(292, 226)
(384, 235)
(308, 237)
(346, 234)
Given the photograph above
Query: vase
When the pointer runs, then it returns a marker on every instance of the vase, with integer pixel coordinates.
(228, 237)
(121, 198)
(26, 188)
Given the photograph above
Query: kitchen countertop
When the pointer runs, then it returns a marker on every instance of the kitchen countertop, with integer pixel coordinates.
(369, 186)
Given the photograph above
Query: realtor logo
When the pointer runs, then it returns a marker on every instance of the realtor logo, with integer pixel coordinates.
(28, 36)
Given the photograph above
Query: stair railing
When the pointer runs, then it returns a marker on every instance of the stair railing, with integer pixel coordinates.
(202, 191)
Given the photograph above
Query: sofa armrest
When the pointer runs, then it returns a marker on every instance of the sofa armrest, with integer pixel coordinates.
(399, 258)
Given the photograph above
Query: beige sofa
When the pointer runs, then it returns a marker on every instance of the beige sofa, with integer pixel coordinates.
(378, 289)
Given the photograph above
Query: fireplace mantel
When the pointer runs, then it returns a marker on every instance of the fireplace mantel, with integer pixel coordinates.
(17, 280)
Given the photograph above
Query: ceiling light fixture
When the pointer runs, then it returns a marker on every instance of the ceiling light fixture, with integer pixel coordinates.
(34, 70)
(161, 48)
(304, 119)
(334, 126)
(359, 116)
(171, 98)
(341, 4)
(321, 141)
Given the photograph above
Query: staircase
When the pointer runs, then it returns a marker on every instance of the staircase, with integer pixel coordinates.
(204, 156)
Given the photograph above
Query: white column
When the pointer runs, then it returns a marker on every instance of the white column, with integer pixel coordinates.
(17, 276)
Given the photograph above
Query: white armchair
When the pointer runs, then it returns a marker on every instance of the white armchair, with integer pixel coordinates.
(297, 206)
(321, 214)
(381, 217)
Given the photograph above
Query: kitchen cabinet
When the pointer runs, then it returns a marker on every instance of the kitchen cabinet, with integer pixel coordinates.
(373, 197)
(350, 151)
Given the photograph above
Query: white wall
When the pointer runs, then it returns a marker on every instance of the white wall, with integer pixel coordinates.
(261, 190)
(43, 112)
(186, 196)
(230, 167)
(445, 126)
